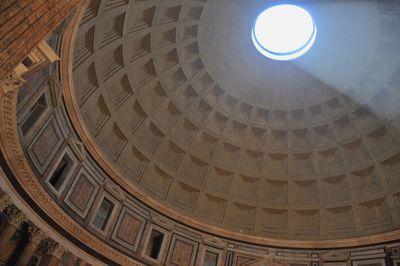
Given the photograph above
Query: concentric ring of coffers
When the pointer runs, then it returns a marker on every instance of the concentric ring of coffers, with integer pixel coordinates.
(157, 113)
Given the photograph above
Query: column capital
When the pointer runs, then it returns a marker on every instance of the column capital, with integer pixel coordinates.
(54, 248)
(35, 234)
(16, 217)
(5, 201)
(12, 82)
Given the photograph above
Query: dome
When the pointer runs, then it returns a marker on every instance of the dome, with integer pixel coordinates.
(146, 132)
(176, 101)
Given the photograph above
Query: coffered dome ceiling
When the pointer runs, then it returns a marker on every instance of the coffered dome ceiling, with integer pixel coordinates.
(179, 102)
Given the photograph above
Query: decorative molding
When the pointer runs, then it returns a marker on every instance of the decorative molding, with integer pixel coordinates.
(16, 217)
(77, 147)
(56, 91)
(115, 190)
(214, 242)
(41, 56)
(35, 234)
(271, 261)
(335, 255)
(5, 201)
(53, 248)
(11, 83)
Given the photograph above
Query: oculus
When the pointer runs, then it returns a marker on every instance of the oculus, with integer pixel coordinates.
(284, 32)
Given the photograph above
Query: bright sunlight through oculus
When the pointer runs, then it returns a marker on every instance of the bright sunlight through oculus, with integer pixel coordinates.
(284, 32)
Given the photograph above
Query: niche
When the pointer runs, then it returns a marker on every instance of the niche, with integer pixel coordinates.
(61, 172)
(103, 214)
(211, 259)
(27, 62)
(154, 245)
(34, 114)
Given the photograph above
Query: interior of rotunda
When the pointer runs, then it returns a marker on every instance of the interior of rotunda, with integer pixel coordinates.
(181, 133)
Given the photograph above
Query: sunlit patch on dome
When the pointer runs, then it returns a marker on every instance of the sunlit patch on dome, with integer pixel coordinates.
(284, 32)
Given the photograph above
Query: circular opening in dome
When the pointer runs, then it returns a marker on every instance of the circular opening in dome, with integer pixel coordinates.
(284, 32)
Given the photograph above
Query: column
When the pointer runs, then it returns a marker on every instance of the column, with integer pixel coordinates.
(16, 217)
(53, 253)
(35, 236)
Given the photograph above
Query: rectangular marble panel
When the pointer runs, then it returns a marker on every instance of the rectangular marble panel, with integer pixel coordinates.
(369, 262)
(212, 256)
(45, 145)
(182, 252)
(82, 192)
(210, 259)
(129, 229)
